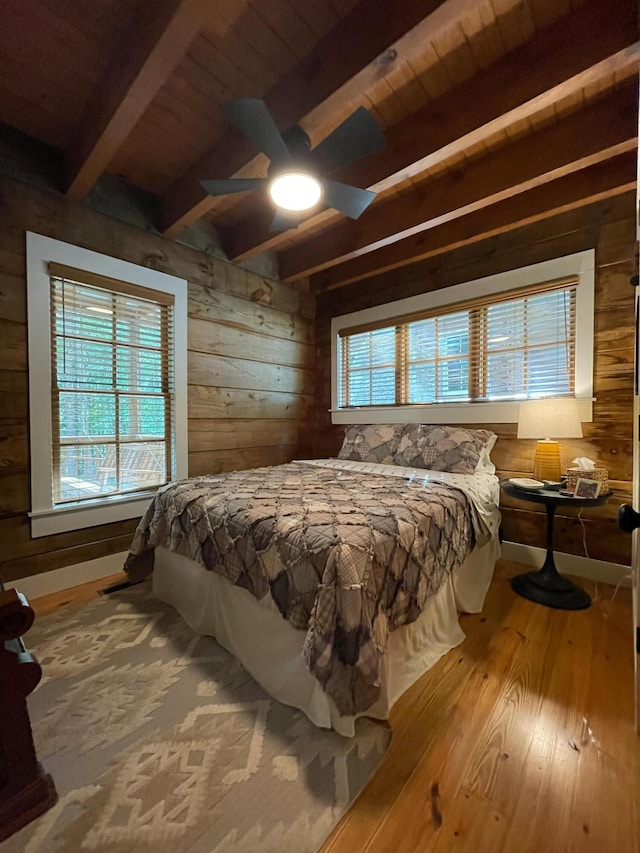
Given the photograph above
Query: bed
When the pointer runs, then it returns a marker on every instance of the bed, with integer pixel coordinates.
(336, 582)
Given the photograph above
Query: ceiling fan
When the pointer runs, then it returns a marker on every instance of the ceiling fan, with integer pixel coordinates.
(296, 179)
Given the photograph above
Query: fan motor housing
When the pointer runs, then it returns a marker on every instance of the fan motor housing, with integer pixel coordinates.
(297, 140)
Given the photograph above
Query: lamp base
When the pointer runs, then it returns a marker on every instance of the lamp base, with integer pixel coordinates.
(557, 592)
(546, 463)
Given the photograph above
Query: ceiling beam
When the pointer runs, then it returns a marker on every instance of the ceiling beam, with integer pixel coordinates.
(159, 37)
(590, 45)
(359, 51)
(602, 130)
(604, 180)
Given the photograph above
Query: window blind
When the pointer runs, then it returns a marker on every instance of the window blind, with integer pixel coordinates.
(512, 347)
(112, 386)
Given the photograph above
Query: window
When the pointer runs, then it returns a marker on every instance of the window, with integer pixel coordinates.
(434, 355)
(470, 352)
(107, 344)
(111, 388)
(369, 368)
(508, 349)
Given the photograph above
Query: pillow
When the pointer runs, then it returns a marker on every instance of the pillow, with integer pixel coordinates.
(444, 448)
(371, 442)
(485, 464)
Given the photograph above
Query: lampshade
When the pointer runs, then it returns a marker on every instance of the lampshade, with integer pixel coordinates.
(549, 418)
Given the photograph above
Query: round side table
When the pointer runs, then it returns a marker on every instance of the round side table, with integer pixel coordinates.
(547, 586)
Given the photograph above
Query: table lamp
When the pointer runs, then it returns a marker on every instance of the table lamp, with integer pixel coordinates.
(548, 419)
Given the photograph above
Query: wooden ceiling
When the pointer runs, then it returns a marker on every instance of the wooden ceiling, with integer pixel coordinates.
(496, 113)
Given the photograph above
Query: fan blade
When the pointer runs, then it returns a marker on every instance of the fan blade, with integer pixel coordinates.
(348, 200)
(232, 185)
(356, 137)
(256, 122)
(283, 220)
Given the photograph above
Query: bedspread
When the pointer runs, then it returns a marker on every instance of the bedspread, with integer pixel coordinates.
(345, 556)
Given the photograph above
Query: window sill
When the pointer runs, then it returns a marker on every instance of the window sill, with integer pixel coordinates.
(443, 413)
(61, 519)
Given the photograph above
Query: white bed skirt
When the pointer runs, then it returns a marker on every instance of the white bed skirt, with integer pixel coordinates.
(211, 605)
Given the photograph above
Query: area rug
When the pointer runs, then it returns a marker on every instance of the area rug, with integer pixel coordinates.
(158, 739)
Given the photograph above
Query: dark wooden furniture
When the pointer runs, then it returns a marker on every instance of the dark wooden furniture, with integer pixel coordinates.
(26, 791)
(547, 586)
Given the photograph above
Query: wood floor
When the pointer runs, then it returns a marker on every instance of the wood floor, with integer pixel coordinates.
(72, 597)
(521, 740)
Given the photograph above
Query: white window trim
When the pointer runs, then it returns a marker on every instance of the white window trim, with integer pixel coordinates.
(45, 518)
(580, 264)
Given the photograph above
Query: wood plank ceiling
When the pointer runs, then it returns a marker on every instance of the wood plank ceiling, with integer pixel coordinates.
(496, 113)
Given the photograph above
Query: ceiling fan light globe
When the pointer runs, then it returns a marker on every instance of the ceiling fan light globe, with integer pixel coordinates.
(295, 191)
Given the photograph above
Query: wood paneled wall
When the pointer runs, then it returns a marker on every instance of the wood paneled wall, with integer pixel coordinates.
(609, 228)
(254, 398)
(250, 359)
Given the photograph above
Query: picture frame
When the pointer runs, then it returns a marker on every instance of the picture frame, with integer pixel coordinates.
(586, 488)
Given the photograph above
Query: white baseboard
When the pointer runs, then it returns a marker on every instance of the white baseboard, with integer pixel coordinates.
(58, 579)
(569, 564)
(92, 570)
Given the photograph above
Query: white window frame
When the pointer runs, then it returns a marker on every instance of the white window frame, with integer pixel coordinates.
(45, 518)
(580, 264)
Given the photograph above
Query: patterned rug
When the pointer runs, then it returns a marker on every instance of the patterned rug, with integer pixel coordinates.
(158, 739)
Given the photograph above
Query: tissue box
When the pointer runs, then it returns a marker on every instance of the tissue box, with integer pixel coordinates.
(599, 474)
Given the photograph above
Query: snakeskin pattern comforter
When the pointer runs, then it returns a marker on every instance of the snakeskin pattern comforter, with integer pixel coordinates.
(345, 556)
